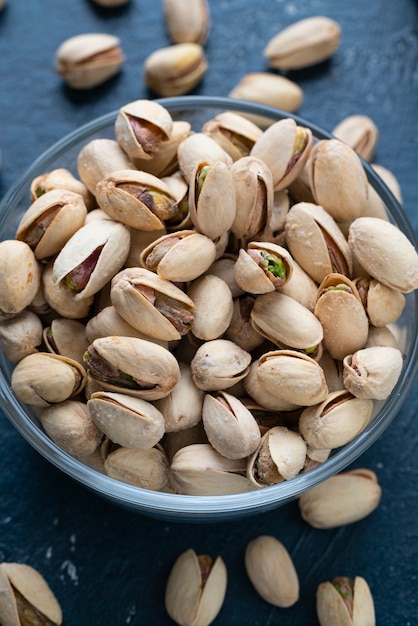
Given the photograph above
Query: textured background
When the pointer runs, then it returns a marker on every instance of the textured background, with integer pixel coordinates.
(107, 565)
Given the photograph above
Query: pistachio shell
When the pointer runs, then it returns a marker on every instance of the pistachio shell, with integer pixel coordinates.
(342, 499)
(219, 364)
(360, 133)
(271, 571)
(261, 395)
(61, 178)
(372, 372)
(346, 602)
(164, 161)
(66, 337)
(99, 158)
(182, 407)
(383, 304)
(280, 456)
(270, 89)
(109, 322)
(263, 267)
(300, 287)
(214, 306)
(62, 300)
(20, 335)
(253, 184)
(147, 469)
(199, 147)
(20, 276)
(240, 329)
(385, 253)
(235, 133)
(187, 22)
(176, 69)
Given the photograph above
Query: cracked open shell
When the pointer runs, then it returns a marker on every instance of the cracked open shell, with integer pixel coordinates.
(382, 304)
(131, 365)
(234, 133)
(26, 595)
(335, 421)
(66, 337)
(284, 147)
(153, 305)
(181, 256)
(99, 158)
(341, 312)
(316, 242)
(62, 300)
(60, 178)
(91, 257)
(219, 364)
(240, 329)
(164, 162)
(137, 199)
(141, 127)
(128, 421)
(254, 194)
(198, 147)
(263, 267)
(300, 287)
(261, 395)
(345, 602)
(230, 427)
(372, 372)
(109, 322)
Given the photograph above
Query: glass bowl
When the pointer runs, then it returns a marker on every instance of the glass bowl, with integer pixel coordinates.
(197, 110)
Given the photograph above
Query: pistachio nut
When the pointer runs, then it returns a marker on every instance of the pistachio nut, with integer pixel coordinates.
(360, 133)
(153, 305)
(261, 395)
(61, 178)
(141, 127)
(147, 469)
(253, 184)
(62, 300)
(176, 69)
(199, 470)
(263, 267)
(137, 199)
(66, 337)
(109, 322)
(187, 22)
(87, 60)
(381, 336)
(42, 379)
(98, 159)
(140, 239)
(182, 407)
(304, 43)
(20, 335)
(199, 147)
(280, 456)
(338, 181)
(195, 589)
(20, 276)
(345, 602)
(26, 597)
(240, 329)
(287, 323)
(212, 201)
(328, 250)
(213, 303)
(219, 364)
(335, 421)
(230, 427)
(272, 572)
(382, 304)
(385, 252)
(181, 256)
(131, 365)
(342, 315)
(342, 499)
(71, 427)
(284, 147)
(224, 267)
(128, 421)
(235, 133)
(270, 89)
(300, 287)
(292, 376)
(164, 162)
(372, 372)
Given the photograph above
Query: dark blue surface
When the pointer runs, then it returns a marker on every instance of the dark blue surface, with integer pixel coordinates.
(108, 566)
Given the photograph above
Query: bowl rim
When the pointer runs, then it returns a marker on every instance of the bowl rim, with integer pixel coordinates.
(203, 508)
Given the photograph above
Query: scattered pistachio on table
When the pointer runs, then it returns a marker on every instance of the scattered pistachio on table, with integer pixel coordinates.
(360, 133)
(176, 69)
(345, 602)
(187, 22)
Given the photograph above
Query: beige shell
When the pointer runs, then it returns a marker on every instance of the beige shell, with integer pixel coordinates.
(34, 592)
(300, 287)
(270, 89)
(342, 499)
(286, 322)
(219, 364)
(187, 22)
(263, 267)
(195, 589)
(41, 379)
(280, 455)
(335, 421)
(61, 178)
(342, 315)
(99, 158)
(147, 469)
(213, 303)
(273, 230)
(271, 570)
(107, 241)
(71, 427)
(182, 407)
(199, 147)
(383, 304)
(66, 337)
(316, 242)
(253, 184)
(87, 60)
(109, 322)
(261, 395)
(293, 377)
(181, 256)
(372, 372)
(234, 133)
(212, 201)
(140, 239)
(304, 43)
(176, 69)
(164, 162)
(338, 180)
(20, 276)
(385, 252)
(240, 329)
(128, 421)
(284, 147)
(129, 364)
(223, 267)
(230, 427)
(360, 133)
(153, 305)
(141, 127)
(62, 300)
(20, 335)
(352, 606)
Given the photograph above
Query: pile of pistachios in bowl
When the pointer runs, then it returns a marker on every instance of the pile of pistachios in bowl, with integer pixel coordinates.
(206, 311)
